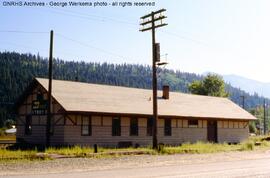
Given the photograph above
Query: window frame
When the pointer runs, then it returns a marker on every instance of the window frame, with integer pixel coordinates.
(193, 123)
(88, 125)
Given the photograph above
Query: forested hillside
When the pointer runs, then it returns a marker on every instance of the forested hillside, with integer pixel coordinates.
(17, 71)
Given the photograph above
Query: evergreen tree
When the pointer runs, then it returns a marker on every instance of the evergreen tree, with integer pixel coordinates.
(211, 85)
(18, 70)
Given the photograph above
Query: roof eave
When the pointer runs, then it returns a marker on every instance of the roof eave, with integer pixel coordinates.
(150, 115)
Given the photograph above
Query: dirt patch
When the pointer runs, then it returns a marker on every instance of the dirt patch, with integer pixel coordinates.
(130, 161)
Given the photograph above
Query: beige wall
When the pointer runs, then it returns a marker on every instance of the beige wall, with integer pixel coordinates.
(232, 131)
(70, 133)
(102, 133)
(232, 135)
(181, 132)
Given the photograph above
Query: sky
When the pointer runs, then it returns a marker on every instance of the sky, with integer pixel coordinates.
(221, 36)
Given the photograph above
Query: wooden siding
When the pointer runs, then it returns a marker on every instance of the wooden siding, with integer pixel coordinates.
(232, 131)
(70, 132)
(232, 135)
(102, 134)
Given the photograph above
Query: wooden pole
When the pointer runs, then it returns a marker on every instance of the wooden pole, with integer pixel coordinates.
(154, 84)
(264, 117)
(48, 125)
(153, 27)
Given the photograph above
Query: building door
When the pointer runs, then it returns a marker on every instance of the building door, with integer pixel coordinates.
(212, 131)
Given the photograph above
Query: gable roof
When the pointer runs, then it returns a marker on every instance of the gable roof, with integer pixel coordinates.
(95, 98)
(85, 97)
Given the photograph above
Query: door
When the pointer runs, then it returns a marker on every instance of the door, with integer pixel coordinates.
(212, 131)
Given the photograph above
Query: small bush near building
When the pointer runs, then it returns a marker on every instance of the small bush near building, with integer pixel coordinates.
(9, 123)
(252, 127)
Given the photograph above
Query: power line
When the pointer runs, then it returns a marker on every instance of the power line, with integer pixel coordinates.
(103, 18)
(58, 34)
(19, 31)
(67, 38)
(186, 38)
(23, 46)
(98, 18)
(91, 18)
(89, 46)
(32, 47)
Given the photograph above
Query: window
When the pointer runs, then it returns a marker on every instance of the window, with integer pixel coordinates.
(168, 127)
(193, 123)
(116, 126)
(86, 125)
(134, 127)
(149, 126)
(28, 125)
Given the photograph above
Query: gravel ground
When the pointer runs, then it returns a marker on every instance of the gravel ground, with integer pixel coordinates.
(88, 164)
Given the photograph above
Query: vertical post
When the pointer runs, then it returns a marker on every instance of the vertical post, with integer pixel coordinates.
(151, 21)
(48, 125)
(154, 84)
(264, 117)
(95, 148)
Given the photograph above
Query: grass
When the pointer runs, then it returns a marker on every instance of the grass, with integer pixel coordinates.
(253, 143)
(18, 155)
(200, 147)
(7, 137)
(78, 151)
(70, 151)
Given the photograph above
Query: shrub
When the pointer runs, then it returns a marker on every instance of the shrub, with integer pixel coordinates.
(9, 122)
(252, 127)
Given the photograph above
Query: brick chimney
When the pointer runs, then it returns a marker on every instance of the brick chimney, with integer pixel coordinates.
(166, 92)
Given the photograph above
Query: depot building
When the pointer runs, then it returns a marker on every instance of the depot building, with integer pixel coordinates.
(88, 114)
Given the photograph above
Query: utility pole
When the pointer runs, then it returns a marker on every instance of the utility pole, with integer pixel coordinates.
(149, 21)
(48, 125)
(264, 117)
(243, 101)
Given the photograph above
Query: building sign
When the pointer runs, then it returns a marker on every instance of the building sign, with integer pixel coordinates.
(39, 106)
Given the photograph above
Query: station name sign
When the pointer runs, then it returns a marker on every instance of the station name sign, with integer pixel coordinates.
(39, 107)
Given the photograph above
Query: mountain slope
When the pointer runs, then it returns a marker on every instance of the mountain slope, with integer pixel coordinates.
(17, 71)
(251, 86)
